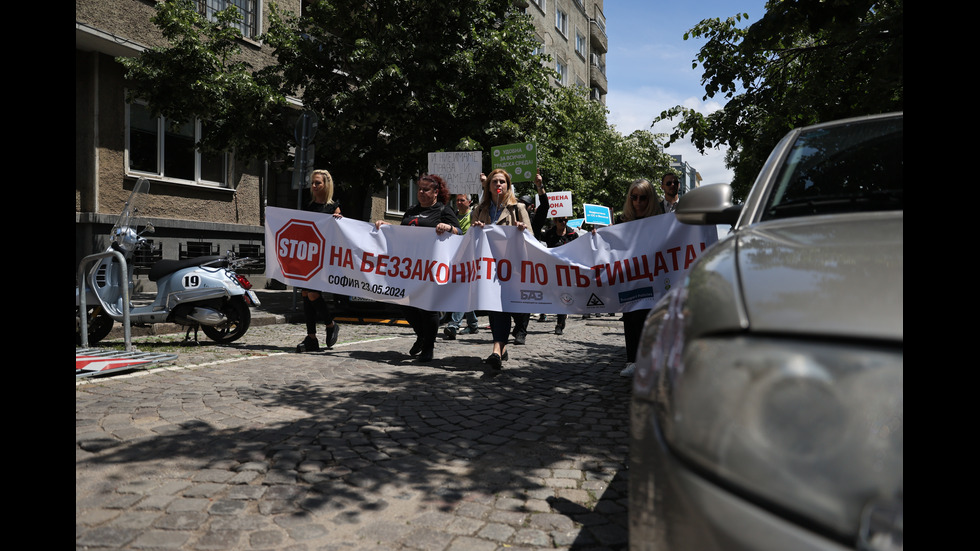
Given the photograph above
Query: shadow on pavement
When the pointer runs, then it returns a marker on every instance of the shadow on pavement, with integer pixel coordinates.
(429, 429)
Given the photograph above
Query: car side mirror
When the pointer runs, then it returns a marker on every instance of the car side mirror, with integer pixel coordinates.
(711, 204)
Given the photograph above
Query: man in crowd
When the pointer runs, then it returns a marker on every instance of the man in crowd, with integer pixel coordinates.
(463, 202)
(670, 184)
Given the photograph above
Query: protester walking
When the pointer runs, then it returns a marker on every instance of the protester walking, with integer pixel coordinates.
(499, 206)
(463, 211)
(315, 305)
(431, 211)
(641, 201)
(555, 236)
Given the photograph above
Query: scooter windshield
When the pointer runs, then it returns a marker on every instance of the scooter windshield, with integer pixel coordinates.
(123, 233)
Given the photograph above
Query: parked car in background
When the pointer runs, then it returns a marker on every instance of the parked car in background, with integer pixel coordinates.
(767, 406)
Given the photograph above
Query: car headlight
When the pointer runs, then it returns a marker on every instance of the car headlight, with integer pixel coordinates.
(812, 430)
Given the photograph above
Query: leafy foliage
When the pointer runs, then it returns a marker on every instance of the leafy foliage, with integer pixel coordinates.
(389, 80)
(580, 152)
(200, 75)
(804, 62)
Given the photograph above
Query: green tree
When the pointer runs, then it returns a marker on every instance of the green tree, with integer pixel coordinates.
(389, 80)
(579, 151)
(200, 75)
(804, 62)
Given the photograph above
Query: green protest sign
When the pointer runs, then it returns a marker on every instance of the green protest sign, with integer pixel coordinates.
(519, 159)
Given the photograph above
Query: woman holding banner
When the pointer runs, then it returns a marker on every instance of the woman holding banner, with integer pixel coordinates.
(314, 304)
(499, 206)
(641, 201)
(432, 211)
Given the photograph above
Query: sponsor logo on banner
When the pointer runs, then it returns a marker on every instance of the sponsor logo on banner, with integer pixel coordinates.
(531, 295)
(635, 294)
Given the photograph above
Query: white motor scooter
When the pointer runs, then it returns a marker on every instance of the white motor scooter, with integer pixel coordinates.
(197, 292)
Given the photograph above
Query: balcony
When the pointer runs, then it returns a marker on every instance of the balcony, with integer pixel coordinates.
(597, 74)
(597, 32)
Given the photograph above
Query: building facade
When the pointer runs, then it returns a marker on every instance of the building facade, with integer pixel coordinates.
(573, 33)
(689, 177)
(199, 204)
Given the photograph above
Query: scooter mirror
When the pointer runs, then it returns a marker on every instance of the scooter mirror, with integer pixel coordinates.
(148, 229)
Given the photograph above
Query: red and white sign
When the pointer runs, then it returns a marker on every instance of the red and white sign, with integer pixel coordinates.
(300, 249)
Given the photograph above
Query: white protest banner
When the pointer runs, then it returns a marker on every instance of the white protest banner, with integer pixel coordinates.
(496, 268)
(559, 204)
(460, 169)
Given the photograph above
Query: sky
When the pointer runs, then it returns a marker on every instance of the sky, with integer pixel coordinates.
(648, 68)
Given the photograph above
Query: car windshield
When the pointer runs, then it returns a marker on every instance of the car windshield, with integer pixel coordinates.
(850, 167)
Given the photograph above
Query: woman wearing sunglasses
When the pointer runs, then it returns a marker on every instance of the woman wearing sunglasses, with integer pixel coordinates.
(641, 201)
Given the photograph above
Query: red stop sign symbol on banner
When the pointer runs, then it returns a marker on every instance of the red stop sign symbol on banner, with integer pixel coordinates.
(299, 249)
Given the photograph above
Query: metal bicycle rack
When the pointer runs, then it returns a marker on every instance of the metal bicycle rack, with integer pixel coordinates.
(107, 361)
(83, 292)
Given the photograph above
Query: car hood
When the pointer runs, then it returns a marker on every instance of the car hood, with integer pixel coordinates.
(837, 275)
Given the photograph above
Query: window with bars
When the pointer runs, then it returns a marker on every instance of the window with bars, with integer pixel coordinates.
(248, 10)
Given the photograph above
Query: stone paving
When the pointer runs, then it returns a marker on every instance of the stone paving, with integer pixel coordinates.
(252, 446)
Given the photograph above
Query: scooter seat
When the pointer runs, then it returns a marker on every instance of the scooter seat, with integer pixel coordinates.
(166, 267)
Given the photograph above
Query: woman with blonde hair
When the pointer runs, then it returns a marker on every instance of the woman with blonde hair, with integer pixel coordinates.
(641, 201)
(499, 206)
(314, 304)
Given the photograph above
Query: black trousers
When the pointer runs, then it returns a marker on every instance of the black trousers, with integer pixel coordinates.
(314, 310)
(520, 323)
(425, 324)
(633, 327)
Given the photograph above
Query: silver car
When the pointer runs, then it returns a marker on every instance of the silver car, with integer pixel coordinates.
(768, 393)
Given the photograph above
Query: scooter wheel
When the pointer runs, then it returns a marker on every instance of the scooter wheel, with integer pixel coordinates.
(99, 325)
(239, 317)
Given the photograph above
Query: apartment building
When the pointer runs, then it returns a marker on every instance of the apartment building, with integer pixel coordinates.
(573, 33)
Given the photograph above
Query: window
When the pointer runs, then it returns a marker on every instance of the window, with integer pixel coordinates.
(248, 10)
(540, 48)
(561, 21)
(155, 148)
(401, 196)
(562, 69)
(580, 43)
(541, 4)
(599, 63)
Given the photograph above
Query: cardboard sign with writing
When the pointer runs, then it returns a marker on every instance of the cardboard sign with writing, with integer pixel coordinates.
(460, 169)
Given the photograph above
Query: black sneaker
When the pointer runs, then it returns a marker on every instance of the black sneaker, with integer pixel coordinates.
(520, 338)
(449, 333)
(332, 334)
(472, 330)
(541, 317)
(559, 330)
(416, 348)
(309, 344)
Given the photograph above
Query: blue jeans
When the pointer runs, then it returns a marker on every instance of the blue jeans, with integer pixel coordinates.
(458, 317)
